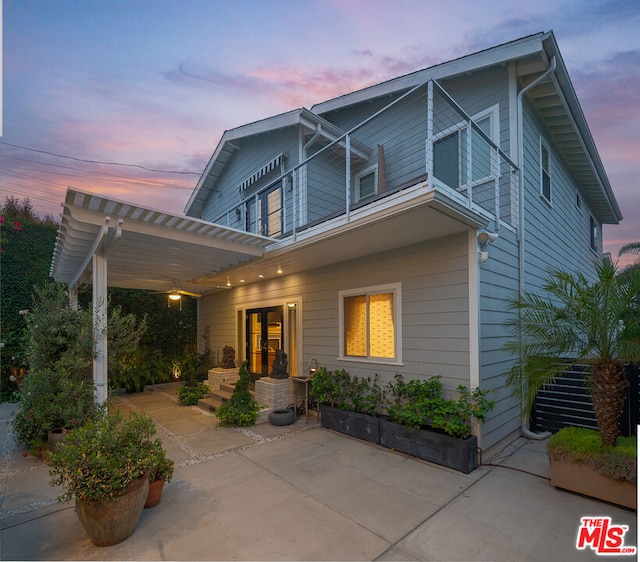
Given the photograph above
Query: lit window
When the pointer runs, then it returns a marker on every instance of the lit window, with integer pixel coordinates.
(370, 327)
(545, 173)
(593, 233)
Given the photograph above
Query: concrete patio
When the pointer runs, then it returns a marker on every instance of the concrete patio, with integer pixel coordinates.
(301, 492)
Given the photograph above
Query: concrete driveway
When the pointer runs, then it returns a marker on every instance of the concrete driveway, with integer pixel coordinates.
(301, 492)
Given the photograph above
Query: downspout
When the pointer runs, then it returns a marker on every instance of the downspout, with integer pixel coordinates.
(521, 222)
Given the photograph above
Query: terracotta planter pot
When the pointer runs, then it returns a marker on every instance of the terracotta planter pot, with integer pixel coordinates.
(110, 522)
(155, 493)
(55, 437)
(586, 480)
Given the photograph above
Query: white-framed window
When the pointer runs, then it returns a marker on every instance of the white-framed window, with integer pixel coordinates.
(593, 233)
(366, 183)
(371, 324)
(451, 151)
(545, 172)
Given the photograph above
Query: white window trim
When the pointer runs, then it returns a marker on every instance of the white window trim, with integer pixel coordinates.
(544, 145)
(493, 113)
(363, 173)
(396, 289)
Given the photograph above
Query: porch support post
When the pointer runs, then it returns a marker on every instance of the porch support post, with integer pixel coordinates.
(347, 183)
(100, 325)
(429, 148)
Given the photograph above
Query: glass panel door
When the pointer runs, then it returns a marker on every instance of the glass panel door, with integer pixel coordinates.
(265, 335)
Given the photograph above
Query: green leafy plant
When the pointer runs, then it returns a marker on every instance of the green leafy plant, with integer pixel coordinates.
(100, 459)
(597, 323)
(190, 393)
(419, 404)
(341, 390)
(51, 400)
(241, 410)
(160, 465)
(581, 445)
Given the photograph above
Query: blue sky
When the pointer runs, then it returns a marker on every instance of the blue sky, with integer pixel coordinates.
(155, 83)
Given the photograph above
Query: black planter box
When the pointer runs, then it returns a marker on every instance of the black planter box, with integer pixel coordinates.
(440, 448)
(362, 426)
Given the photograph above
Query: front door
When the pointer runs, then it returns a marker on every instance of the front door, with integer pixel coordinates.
(265, 335)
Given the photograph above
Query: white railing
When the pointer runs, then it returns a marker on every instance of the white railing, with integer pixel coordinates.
(422, 135)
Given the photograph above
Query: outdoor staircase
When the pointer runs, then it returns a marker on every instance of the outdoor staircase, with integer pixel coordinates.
(217, 397)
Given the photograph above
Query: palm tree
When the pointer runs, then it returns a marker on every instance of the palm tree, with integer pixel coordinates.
(631, 248)
(595, 323)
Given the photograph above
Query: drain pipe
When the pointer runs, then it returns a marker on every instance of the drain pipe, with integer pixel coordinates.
(526, 432)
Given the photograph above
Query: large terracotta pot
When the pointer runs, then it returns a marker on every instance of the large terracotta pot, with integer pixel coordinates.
(155, 493)
(110, 522)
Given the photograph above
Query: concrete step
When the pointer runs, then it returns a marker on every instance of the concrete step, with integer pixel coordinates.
(209, 404)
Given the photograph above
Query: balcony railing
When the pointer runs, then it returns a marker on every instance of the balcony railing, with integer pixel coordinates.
(423, 135)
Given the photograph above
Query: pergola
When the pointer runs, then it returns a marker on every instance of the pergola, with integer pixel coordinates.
(112, 243)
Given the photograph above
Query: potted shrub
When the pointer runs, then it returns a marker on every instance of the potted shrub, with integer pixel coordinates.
(424, 424)
(105, 465)
(350, 405)
(595, 323)
(160, 473)
(581, 463)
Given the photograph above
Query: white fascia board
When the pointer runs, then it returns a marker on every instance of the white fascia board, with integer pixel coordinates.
(501, 54)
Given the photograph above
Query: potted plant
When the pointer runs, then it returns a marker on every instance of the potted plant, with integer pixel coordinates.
(160, 473)
(595, 323)
(580, 462)
(350, 405)
(424, 424)
(105, 466)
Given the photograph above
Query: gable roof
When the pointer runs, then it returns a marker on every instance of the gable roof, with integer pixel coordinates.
(554, 99)
(226, 147)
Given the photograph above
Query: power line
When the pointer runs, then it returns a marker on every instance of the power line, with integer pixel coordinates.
(100, 162)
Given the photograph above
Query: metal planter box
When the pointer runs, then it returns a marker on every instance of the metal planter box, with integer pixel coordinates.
(440, 448)
(355, 424)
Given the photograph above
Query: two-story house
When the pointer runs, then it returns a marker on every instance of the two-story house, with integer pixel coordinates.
(381, 231)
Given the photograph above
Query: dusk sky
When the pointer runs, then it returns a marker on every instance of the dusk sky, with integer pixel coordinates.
(155, 83)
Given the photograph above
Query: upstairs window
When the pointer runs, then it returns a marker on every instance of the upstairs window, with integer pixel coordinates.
(451, 151)
(370, 323)
(545, 173)
(366, 183)
(593, 233)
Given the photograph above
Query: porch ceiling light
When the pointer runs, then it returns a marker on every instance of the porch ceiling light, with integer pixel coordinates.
(175, 296)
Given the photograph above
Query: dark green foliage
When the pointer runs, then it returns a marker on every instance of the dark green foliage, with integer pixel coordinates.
(419, 404)
(191, 392)
(51, 400)
(160, 465)
(339, 389)
(26, 247)
(241, 410)
(27, 244)
(97, 461)
(580, 445)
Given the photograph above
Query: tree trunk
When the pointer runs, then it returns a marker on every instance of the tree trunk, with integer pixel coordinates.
(608, 392)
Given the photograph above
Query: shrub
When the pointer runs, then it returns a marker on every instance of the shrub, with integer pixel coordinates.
(51, 400)
(99, 460)
(339, 389)
(419, 404)
(160, 465)
(581, 445)
(241, 410)
(191, 392)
